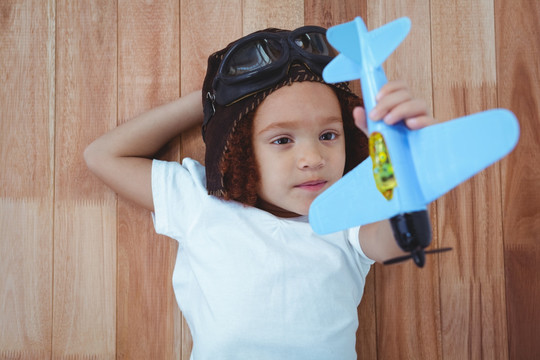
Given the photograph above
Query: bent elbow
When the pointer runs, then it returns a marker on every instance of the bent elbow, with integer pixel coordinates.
(92, 158)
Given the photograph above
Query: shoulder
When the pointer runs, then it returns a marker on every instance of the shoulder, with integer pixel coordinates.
(179, 194)
(172, 172)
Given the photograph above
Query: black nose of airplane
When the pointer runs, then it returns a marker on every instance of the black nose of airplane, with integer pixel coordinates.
(412, 231)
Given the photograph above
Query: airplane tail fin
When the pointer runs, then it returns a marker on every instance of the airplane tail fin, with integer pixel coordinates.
(384, 40)
(352, 38)
(347, 37)
(340, 69)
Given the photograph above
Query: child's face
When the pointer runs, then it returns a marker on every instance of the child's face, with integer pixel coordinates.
(299, 146)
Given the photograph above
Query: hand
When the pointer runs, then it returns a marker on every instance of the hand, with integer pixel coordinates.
(395, 103)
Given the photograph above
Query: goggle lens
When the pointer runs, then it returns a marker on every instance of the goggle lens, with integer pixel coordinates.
(254, 56)
(314, 43)
(260, 60)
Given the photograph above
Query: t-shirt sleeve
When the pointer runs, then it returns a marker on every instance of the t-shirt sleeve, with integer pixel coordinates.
(352, 236)
(178, 191)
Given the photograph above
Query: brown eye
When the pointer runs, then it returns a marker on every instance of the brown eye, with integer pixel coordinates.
(282, 141)
(328, 136)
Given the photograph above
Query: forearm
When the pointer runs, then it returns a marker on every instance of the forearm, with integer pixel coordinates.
(144, 135)
(120, 158)
(377, 241)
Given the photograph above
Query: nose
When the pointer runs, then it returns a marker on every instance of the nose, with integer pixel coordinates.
(310, 156)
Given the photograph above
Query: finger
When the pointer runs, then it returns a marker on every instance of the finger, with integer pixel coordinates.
(391, 87)
(388, 102)
(406, 110)
(419, 122)
(359, 115)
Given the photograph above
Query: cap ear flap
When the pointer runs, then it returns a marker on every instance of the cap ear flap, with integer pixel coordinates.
(208, 93)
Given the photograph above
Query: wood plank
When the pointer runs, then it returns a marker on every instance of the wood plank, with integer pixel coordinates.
(327, 14)
(472, 276)
(408, 311)
(26, 185)
(518, 69)
(26, 282)
(85, 211)
(148, 75)
(282, 14)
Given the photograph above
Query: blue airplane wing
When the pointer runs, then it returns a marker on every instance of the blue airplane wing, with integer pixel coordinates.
(353, 200)
(446, 154)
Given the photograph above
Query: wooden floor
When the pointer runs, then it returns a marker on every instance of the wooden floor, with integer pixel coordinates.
(83, 276)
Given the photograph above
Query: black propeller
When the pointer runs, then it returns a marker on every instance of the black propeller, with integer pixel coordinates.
(417, 255)
(412, 232)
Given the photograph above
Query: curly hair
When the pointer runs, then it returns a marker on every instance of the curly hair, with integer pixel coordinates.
(240, 173)
(239, 167)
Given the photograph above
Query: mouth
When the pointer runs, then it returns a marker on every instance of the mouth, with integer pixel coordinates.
(314, 185)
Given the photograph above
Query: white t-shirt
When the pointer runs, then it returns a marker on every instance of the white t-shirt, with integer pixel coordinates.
(252, 285)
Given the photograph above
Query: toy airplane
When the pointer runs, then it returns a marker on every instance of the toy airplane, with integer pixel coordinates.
(406, 169)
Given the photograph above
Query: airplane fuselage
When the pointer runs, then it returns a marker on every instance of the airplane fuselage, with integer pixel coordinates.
(411, 226)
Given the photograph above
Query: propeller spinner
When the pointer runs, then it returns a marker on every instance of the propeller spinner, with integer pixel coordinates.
(412, 232)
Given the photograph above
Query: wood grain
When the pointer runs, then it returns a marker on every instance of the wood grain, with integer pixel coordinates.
(518, 70)
(472, 276)
(148, 75)
(282, 14)
(329, 13)
(85, 211)
(27, 99)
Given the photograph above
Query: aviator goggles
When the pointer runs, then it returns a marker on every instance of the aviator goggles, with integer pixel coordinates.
(262, 59)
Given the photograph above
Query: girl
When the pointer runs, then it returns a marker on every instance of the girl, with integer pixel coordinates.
(251, 278)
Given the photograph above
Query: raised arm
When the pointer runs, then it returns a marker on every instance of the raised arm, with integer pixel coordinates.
(378, 243)
(395, 102)
(122, 158)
